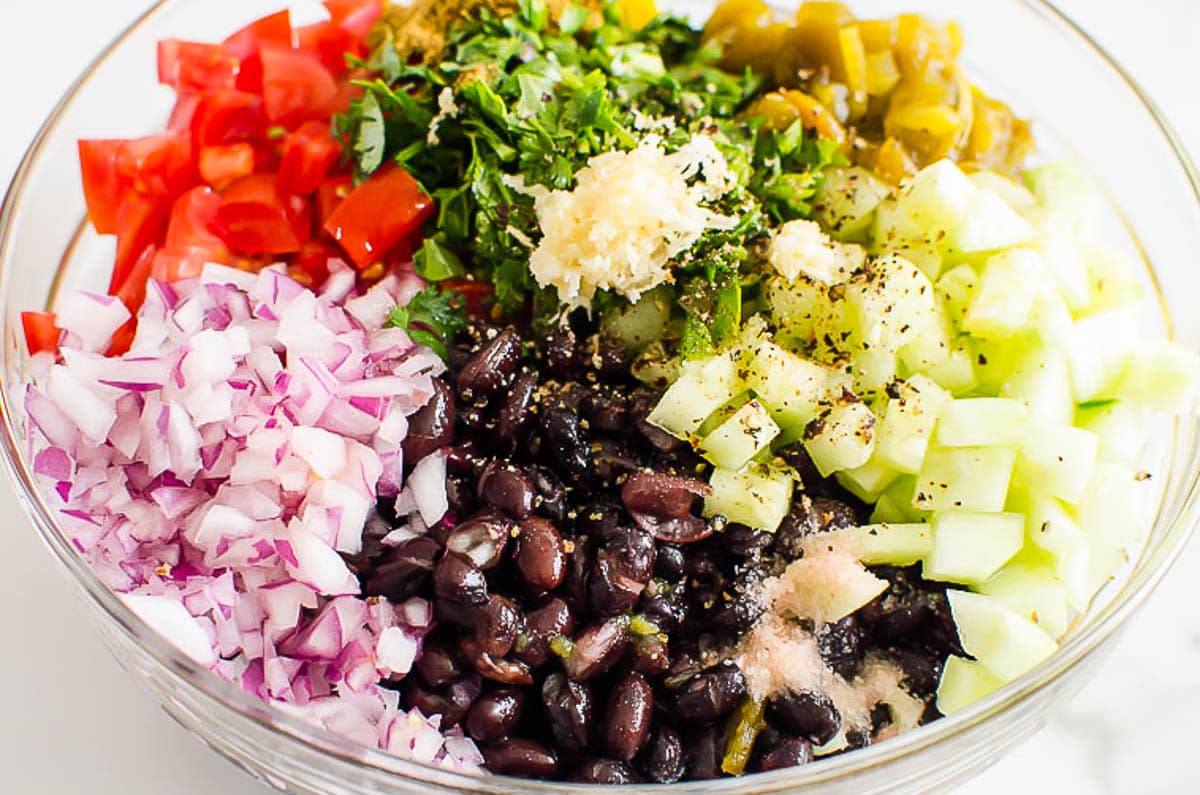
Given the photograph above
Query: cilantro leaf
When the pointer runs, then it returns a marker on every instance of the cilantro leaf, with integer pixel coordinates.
(432, 318)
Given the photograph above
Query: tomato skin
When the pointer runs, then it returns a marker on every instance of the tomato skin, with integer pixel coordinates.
(102, 186)
(221, 166)
(274, 28)
(308, 154)
(354, 16)
(194, 66)
(256, 217)
(312, 260)
(141, 223)
(296, 86)
(330, 196)
(41, 332)
(379, 214)
(157, 165)
(193, 223)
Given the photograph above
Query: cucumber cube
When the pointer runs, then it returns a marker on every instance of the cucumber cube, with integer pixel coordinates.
(1035, 592)
(958, 288)
(963, 683)
(1113, 283)
(908, 424)
(990, 224)
(1066, 265)
(956, 372)
(1121, 428)
(969, 547)
(1016, 195)
(741, 437)
(1112, 509)
(938, 197)
(1064, 188)
(701, 389)
(868, 481)
(847, 201)
(1009, 288)
(1057, 460)
(1042, 378)
(965, 478)
(1099, 352)
(982, 422)
(889, 304)
(844, 440)
(1050, 527)
(802, 308)
(1005, 643)
(758, 497)
(893, 544)
(793, 388)
(895, 505)
(1164, 377)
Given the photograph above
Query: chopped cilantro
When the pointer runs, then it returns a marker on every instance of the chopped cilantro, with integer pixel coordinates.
(432, 318)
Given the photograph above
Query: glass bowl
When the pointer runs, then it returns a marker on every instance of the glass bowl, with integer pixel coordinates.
(1023, 50)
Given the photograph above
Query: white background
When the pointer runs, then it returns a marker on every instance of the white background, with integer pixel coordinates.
(72, 722)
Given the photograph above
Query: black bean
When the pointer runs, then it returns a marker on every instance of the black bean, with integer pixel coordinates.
(611, 589)
(551, 496)
(842, 646)
(739, 612)
(451, 701)
(666, 610)
(703, 753)
(507, 487)
(481, 539)
(604, 771)
(519, 757)
(596, 650)
(457, 579)
(608, 413)
(662, 759)
(660, 495)
(744, 542)
(508, 672)
(575, 582)
(711, 694)
(669, 563)
(460, 494)
(432, 426)
(600, 519)
(791, 752)
(497, 626)
(560, 352)
(439, 663)
(465, 458)
(627, 719)
(811, 715)
(922, 669)
(513, 415)
(649, 655)
(612, 460)
(495, 715)
(541, 556)
(551, 618)
(403, 571)
(567, 446)
(489, 368)
(571, 710)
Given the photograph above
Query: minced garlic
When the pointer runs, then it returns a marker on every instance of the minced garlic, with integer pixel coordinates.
(629, 214)
(800, 248)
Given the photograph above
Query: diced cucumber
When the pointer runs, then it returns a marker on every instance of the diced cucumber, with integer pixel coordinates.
(1008, 289)
(847, 200)
(1035, 592)
(1042, 379)
(930, 349)
(1065, 264)
(1066, 191)
(741, 437)
(844, 440)
(896, 503)
(908, 424)
(868, 481)
(1016, 195)
(963, 683)
(958, 288)
(939, 197)
(969, 546)
(994, 361)
(1163, 376)
(1005, 643)
(1113, 282)
(1050, 322)
(1121, 428)
(990, 224)
(893, 544)
(639, 324)
(758, 497)
(889, 304)
(965, 478)
(1111, 509)
(1057, 459)
(1099, 352)
(793, 388)
(701, 389)
(1049, 526)
(982, 422)
(955, 373)
(802, 309)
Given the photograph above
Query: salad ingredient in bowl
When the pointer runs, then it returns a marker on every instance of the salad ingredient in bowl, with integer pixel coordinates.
(562, 390)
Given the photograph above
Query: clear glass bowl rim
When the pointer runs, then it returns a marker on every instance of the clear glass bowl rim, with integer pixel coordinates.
(1148, 571)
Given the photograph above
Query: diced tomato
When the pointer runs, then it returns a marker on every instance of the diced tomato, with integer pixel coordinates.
(313, 260)
(175, 264)
(255, 217)
(102, 186)
(157, 165)
(331, 43)
(378, 214)
(221, 166)
(193, 66)
(274, 28)
(330, 195)
(133, 291)
(193, 223)
(141, 222)
(41, 332)
(226, 117)
(355, 16)
(296, 86)
(307, 156)
(184, 113)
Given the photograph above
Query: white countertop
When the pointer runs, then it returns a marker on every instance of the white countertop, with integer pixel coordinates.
(74, 722)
